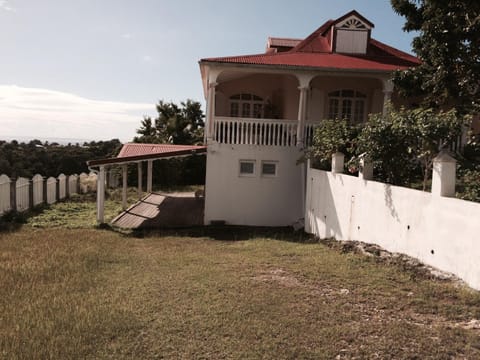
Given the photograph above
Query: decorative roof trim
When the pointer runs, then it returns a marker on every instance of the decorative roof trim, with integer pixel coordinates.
(356, 14)
(352, 23)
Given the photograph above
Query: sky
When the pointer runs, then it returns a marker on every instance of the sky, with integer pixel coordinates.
(91, 69)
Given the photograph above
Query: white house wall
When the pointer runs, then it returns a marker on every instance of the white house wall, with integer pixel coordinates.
(281, 90)
(316, 104)
(253, 200)
(442, 232)
(322, 85)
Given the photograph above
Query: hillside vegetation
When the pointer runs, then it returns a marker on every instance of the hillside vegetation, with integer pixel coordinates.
(51, 159)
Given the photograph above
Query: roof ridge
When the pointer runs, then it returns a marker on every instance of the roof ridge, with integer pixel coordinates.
(285, 38)
(357, 14)
(242, 56)
(312, 36)
(394, 51)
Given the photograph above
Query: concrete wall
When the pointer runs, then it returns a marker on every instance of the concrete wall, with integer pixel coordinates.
(442, 232)
(253, 200)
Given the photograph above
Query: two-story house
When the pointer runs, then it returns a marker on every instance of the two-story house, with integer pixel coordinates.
(262, 109)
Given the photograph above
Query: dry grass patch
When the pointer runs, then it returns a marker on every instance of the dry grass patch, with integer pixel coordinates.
(99, 294)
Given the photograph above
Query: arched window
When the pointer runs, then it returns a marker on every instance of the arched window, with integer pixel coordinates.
(348, 105)
(246, 105)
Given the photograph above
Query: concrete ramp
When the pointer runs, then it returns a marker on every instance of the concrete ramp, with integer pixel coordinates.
(157, 210)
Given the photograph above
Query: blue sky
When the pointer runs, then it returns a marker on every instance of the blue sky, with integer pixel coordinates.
(91, 69)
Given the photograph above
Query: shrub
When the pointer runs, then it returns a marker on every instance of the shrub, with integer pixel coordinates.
(469, 185)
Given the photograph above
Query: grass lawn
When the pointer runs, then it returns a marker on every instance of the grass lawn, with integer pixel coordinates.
(91, 293)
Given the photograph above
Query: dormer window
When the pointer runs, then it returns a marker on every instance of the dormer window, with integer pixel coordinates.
(352, 34)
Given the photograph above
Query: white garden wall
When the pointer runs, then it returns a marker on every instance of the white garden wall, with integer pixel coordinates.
(442, 232)
(253, 200)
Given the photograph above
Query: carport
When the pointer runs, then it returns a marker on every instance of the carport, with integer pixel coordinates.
(136, 153)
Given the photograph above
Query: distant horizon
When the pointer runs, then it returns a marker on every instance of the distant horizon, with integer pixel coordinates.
(59, 140)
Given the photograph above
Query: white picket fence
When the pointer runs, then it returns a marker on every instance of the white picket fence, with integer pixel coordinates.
(62, 186)
(37, 184)
(22, 194)
(51, 190)
(22, 197)
(5, 204)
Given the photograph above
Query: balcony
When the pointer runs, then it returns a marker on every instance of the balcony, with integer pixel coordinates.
(266, 132)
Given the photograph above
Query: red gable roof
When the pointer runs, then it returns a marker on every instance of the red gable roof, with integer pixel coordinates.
(315, 51)
(316, 41)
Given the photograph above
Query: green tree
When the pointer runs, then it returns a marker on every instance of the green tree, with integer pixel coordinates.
(175, 124)
(330, 137)
(26, 159)
(147, 132)
(448, 44)
(403, 140)
(401, 144)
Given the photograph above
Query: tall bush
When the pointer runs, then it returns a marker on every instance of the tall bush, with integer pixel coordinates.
(401, 144)
(330, 137)
(402, 140)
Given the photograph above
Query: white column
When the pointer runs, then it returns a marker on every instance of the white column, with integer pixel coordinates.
(149, 175)
(302, 115)
(443, 176)
(101, 195)
(210, 112)
(124, 186)
(139, 170)
(387, 93)
(365, 172)
(338, 160)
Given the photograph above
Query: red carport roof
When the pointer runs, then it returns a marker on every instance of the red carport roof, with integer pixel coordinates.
(139, 149)
(135, 152)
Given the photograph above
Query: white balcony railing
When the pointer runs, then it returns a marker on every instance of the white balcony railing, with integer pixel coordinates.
(309, 132)
(229, 130)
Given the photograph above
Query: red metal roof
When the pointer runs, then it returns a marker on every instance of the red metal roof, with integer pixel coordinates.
(381, 59)
(315, 51)
(135, 152)
(139, 149)
(319, 37)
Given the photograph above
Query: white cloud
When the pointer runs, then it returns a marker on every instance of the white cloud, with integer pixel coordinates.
(4, 5)
(46, 113)
(127, 36)
(147, 58)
